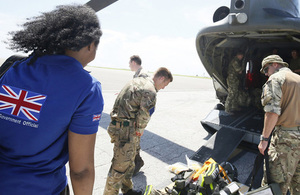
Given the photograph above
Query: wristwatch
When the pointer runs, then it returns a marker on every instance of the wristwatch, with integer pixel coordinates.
(262, 138)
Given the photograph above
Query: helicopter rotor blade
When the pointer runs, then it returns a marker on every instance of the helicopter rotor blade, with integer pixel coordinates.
(97, 5)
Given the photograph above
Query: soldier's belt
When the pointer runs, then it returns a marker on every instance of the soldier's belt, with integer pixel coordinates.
(288, 128)
(124, 123)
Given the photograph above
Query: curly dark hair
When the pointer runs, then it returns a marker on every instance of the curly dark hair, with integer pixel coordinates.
(69, 27)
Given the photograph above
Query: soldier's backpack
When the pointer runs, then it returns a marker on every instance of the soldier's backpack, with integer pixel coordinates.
(8, 63)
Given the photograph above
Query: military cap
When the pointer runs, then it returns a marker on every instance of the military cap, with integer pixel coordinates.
(272, 59)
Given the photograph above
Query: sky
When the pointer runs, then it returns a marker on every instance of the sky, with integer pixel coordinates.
(161, 32)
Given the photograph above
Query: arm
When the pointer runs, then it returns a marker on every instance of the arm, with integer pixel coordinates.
(269, 124)
(148, 101)
(81, 162)
(271, 98)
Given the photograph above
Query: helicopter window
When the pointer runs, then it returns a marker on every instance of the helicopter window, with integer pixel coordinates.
(239, 4)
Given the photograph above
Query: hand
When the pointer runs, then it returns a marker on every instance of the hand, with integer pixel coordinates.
(112, 134)
(112, 139)
(262, 146)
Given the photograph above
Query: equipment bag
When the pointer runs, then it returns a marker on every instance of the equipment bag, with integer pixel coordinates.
(151, 191)
(270, 189)
(210, 179)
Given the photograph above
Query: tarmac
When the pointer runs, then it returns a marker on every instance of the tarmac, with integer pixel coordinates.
(173, 134)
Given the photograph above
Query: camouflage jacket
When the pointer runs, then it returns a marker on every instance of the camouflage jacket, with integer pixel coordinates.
(140, 73)
(272, 92)
(134, 102)
(235, 68)
(281, 95)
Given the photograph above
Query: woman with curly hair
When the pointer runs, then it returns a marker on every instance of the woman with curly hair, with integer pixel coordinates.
(50, 107)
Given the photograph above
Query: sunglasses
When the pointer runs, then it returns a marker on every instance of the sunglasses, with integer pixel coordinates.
(266, 69)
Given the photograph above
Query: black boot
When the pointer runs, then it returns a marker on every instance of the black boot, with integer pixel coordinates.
(133, 192)
(138, 161)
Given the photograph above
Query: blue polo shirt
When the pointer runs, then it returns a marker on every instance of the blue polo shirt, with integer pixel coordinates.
(39, 103)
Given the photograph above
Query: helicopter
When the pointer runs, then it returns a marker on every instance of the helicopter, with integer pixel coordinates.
(257, 29)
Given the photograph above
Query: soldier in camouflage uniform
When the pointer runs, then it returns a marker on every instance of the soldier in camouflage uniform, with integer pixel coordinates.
(129, 117)
(280, 98)
(235, 69)
(135, 64)
(295, 61)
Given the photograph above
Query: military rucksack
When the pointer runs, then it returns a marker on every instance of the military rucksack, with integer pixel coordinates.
(8, 63)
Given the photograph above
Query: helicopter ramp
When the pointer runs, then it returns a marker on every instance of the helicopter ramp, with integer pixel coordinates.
(249, 120)
(220, 146)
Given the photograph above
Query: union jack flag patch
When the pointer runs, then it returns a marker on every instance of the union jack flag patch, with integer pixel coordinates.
(21, 103)
(96, 117)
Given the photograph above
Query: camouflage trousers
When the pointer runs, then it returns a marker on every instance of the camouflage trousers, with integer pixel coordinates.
(232, 99)
(284, 160)
(125, 146)
(236, 98)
